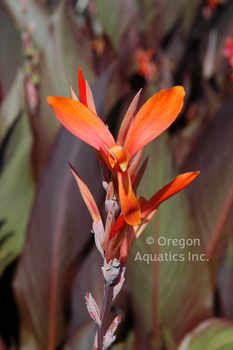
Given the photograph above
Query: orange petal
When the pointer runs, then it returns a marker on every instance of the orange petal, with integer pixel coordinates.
(114, 240)
(142, 201)
(167, 191)
(105, 158)
(134, 233)
(117, 158)
(132, 236)
(124, 252)
(114, 245)
(82, 87)
(155, 116)
(142, 227)
(87, 196)
(82, 122)
(129, 205)
(127, 120)
(127, 244)
(119, 224)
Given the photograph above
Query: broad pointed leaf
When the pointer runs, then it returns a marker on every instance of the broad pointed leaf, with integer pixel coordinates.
(209, 335)
(11, 76)
(129, 344)
(89, 279)
(211, 199)
(164, 284)
(161, 17)
(114, 12)
(16, 192)
(58, 72)
(12, 105)
(213, 60)
(58, 234)
(35, 14)
(83, 338)
(225, 281)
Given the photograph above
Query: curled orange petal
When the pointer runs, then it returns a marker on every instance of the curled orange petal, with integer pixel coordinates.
(117, 158)
(129, 205)
(155, 116)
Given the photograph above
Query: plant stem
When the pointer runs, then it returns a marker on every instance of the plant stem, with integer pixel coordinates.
(108, 295)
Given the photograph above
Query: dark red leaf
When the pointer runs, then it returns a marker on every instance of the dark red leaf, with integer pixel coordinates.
(211, 198)
(161, 276)
(58, 236)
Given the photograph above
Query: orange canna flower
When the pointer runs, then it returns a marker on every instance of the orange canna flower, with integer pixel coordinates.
(228, 49)
(228, 52)
(145, 66)
(155, 116)
(98, 46)
(212, 4)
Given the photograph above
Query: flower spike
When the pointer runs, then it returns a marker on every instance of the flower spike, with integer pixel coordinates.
(127, 216)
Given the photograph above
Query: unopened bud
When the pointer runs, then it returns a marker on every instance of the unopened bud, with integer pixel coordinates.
(99, 236)
(110, 337)
(93, 309)
(111, 271)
